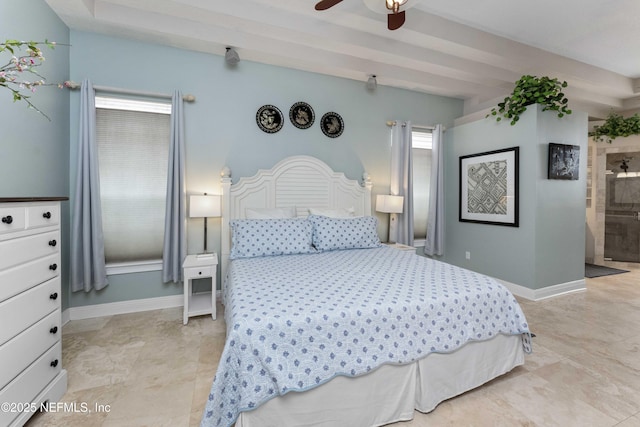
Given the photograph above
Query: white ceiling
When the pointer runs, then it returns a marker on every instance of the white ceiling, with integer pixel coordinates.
(470, 49)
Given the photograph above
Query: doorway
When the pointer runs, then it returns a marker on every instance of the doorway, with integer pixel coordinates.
(622, 207)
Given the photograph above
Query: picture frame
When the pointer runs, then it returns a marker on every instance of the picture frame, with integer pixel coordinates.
(302, 115)
(269, 118)
(489, 187)
(332, 124)
(564, 161)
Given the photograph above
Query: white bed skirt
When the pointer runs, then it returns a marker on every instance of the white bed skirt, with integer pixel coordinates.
(391, 392)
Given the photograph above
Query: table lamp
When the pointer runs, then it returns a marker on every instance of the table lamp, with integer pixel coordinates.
(206, 206)
(393, 206)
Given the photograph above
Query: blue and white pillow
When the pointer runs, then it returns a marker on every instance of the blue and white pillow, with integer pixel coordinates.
(266, 237)
(344, 233)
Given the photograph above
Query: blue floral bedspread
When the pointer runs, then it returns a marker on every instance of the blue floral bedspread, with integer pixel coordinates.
(296, 321)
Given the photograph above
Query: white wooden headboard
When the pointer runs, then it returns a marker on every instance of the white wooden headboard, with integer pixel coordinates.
(300, 181)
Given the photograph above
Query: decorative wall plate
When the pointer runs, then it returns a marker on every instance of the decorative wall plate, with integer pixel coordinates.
(332, 125)
(301, 115)
(269, 118)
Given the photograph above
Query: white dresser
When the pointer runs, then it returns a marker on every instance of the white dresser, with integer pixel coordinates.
(30, 318)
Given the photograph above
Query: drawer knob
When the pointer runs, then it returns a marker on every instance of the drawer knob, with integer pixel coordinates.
(53, 267)
(53, 330)
(46, 215)
(53, 296)
(54, 363)
(52, 242)
(7, 219)
(200, 273)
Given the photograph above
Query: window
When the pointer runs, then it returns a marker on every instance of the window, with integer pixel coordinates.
(133, 149)
(421, 143)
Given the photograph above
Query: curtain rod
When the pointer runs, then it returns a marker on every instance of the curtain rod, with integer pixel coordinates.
(74, 85)
(392, 123)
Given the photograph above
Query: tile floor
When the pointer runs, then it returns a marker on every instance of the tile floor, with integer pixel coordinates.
(147, 369)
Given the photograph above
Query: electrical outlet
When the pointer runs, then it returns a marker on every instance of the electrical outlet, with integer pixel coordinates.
(467, 255)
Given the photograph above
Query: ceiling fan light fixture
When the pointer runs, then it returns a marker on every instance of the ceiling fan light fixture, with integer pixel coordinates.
(231, 57)
(394, 5)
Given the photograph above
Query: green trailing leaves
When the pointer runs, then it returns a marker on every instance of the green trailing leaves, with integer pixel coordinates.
(616, 126)
(532, 90)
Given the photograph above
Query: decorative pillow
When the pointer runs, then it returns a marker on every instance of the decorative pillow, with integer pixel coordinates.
(270, 213)
(266, 237)
(344, 233)
(333, 213)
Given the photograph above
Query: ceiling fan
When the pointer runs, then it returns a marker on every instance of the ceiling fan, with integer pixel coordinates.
(395, 18)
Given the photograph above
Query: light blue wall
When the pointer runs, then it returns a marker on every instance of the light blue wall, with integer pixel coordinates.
(34, 152)
(221, 128)
(548, 246)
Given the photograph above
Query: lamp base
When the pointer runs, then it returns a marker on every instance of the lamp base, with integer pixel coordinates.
(393, 228)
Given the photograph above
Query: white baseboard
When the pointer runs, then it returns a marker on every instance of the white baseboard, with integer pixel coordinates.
(121, 307)
(546, 292)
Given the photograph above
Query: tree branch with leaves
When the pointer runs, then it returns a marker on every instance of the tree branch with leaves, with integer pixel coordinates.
(19, 75)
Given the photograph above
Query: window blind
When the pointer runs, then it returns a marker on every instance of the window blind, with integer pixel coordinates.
(422, 143)
(133, 154)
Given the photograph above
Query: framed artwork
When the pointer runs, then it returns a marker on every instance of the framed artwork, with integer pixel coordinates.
(301, 115)
(564, 161)
(489, 187)
(269, 118)
(332, 124)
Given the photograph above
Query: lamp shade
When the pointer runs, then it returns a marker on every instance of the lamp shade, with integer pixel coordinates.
(204, 206)
(389, 204)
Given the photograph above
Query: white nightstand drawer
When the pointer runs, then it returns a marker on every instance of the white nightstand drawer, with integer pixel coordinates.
(42, 215)
(23, 249)
(31, 381)
(25, 309)
(195, 272)
(33, 342)
(12, 219)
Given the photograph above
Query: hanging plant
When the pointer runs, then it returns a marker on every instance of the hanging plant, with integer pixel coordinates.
(532, 90)
(14, 75)
(616, 126)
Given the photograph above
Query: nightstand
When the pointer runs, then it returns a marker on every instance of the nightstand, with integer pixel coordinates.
(199, 267)
(401, 247)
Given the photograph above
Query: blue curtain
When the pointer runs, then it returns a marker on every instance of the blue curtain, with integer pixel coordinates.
(434, 245)
(402, 179)
(175, 238)
(88, 270)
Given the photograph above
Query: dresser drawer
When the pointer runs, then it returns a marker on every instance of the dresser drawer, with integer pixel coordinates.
(25, 276)
(26, 308)
(26, 386)
(23, 249)
(43, 215)
(12, 219)
(21, 350)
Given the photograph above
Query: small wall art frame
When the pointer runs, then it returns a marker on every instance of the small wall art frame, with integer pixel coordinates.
(564, 161)
(269, 118)
(332, 124)
(301, 115)
(489, 187)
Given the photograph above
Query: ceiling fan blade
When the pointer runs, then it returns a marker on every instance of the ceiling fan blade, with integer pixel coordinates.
(326, 4)
(395, 20)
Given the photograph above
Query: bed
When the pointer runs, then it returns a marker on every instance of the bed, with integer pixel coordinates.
(327, 327)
